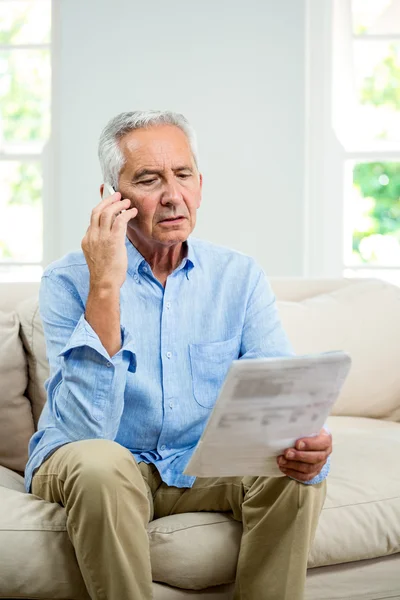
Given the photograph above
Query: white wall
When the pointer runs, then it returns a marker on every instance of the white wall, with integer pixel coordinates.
(235, 69)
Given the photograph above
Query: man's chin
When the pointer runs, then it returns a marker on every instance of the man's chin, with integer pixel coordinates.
(173, 235)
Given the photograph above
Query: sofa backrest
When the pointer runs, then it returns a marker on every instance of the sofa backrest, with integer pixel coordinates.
(363, 320)
(16, 421)
(12, 293)
(360, 316)
(285, 288)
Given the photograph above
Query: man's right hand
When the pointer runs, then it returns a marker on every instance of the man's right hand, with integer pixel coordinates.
(104, 242)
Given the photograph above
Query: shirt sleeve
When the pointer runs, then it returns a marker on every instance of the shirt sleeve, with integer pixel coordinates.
(85, 389)
(264, 336)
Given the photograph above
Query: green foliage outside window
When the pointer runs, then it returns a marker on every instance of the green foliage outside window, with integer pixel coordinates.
(25, 104)
(27, 186)
(7, 35)
(383, 86)
(24, 78)
(4, 250)
(380, 181)
(24, 125)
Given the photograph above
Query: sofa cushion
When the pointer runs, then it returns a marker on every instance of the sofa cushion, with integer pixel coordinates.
(185, 549)
(348, 319)
(32, 336)
(39, 560)
(361, 514)
(360, 520)
(16, 423)
(179, 544)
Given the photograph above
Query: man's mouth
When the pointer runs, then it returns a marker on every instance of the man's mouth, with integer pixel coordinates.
(172, 219)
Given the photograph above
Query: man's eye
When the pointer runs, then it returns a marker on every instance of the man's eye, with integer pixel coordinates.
(184, 175)
(147, 181)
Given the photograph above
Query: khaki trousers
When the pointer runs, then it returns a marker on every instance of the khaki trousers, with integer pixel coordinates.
(109, 500)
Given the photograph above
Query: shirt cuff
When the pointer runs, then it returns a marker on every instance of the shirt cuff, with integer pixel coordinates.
(85, 335)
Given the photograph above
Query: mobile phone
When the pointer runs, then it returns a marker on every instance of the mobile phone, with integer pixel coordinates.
(108, 190)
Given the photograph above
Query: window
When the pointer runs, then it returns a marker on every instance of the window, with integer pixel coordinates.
(359, 118)
(25, 78)
(372, 191)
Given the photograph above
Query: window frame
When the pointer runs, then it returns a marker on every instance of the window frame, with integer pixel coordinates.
(8, 267)
(328, 26)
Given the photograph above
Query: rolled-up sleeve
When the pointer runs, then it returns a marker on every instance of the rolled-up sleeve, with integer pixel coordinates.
(321, 475)
(86, 386)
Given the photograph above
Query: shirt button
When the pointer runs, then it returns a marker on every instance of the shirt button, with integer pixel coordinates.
(145, 269)
(163, 447)
(168, 305)
(136, 278)
(108, 364)
(171, 405)
(169, 354)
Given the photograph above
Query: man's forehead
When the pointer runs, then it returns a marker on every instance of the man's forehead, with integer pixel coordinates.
(155, 139)
(156, 147)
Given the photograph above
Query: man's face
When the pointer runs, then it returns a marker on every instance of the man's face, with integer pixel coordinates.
(161, 180)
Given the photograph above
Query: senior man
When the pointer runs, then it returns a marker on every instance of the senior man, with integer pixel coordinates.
(140, 329)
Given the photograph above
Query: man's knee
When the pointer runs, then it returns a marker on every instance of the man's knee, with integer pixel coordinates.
(101, 461)
(313, 494)
(284, 490)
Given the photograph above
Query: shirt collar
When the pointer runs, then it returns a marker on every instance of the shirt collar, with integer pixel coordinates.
(135, 259)
(190, 258)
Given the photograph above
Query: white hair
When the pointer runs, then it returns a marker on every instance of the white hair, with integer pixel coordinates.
(110, 155)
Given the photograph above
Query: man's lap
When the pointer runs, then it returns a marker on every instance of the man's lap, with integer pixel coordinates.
(217, 494)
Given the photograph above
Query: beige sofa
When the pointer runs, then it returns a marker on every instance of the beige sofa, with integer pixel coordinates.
(356, 553)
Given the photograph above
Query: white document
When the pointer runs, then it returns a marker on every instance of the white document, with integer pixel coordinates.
(265, 406)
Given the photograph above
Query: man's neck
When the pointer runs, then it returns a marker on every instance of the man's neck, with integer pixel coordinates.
(163, 260)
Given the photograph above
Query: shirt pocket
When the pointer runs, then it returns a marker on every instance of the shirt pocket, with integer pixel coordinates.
(209, 365)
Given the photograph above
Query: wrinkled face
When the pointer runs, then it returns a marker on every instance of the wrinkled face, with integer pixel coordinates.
(161, 180)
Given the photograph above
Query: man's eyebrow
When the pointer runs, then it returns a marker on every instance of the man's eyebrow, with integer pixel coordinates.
(144, 172)
(183, 168)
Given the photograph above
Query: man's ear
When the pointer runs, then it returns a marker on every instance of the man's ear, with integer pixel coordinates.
(101, 190)
(201, 189)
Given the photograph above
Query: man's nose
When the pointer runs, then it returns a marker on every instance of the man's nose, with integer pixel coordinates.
(171, 193)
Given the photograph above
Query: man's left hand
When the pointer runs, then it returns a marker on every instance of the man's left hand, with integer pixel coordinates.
(305, 463)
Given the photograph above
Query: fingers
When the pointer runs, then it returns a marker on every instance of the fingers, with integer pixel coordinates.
(110, 212)
(301, 467)
(322, 441)
(306, 463)
(312, 458)
(301, 476)
(94, 218)
(122, 219)
(300, 471)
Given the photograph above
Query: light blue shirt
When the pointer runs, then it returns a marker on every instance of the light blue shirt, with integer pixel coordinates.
(155, 395)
